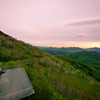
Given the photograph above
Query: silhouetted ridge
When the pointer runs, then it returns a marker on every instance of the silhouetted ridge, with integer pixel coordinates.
(1, 33)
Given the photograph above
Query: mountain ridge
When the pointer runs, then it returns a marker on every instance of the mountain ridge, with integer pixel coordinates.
(61, 51)
(66, 50)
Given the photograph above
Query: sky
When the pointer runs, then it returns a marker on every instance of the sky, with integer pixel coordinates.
(56, 23)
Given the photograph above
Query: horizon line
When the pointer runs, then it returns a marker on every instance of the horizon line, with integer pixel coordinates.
(63, 46)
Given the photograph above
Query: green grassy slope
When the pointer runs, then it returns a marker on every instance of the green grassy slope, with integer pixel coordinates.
(88, 57)
(52, 77)
(83, 67)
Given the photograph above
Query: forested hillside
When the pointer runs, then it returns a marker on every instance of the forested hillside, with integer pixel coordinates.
(88, 57)
(94, 49)
(53, 77)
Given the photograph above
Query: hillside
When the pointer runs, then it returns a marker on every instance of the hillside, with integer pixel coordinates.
(88, 57)
(53, 77)
(61, 51)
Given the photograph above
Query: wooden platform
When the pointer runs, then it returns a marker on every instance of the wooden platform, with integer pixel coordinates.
(15, 84)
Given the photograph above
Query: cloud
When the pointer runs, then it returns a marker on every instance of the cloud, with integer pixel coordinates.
(80, 36)
(82, 23)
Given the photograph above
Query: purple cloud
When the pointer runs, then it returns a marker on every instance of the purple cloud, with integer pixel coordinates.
(81, 36)
(82, 23)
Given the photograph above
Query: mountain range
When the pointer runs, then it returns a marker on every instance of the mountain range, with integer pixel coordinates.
(60, 51)
(66, 50)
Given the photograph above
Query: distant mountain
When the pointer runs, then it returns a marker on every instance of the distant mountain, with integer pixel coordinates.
(91, 58)
(54, 77)
(61, 51)
(66, 50)
(94, 49)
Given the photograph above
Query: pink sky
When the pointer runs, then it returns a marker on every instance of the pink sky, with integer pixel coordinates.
(60, 23)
